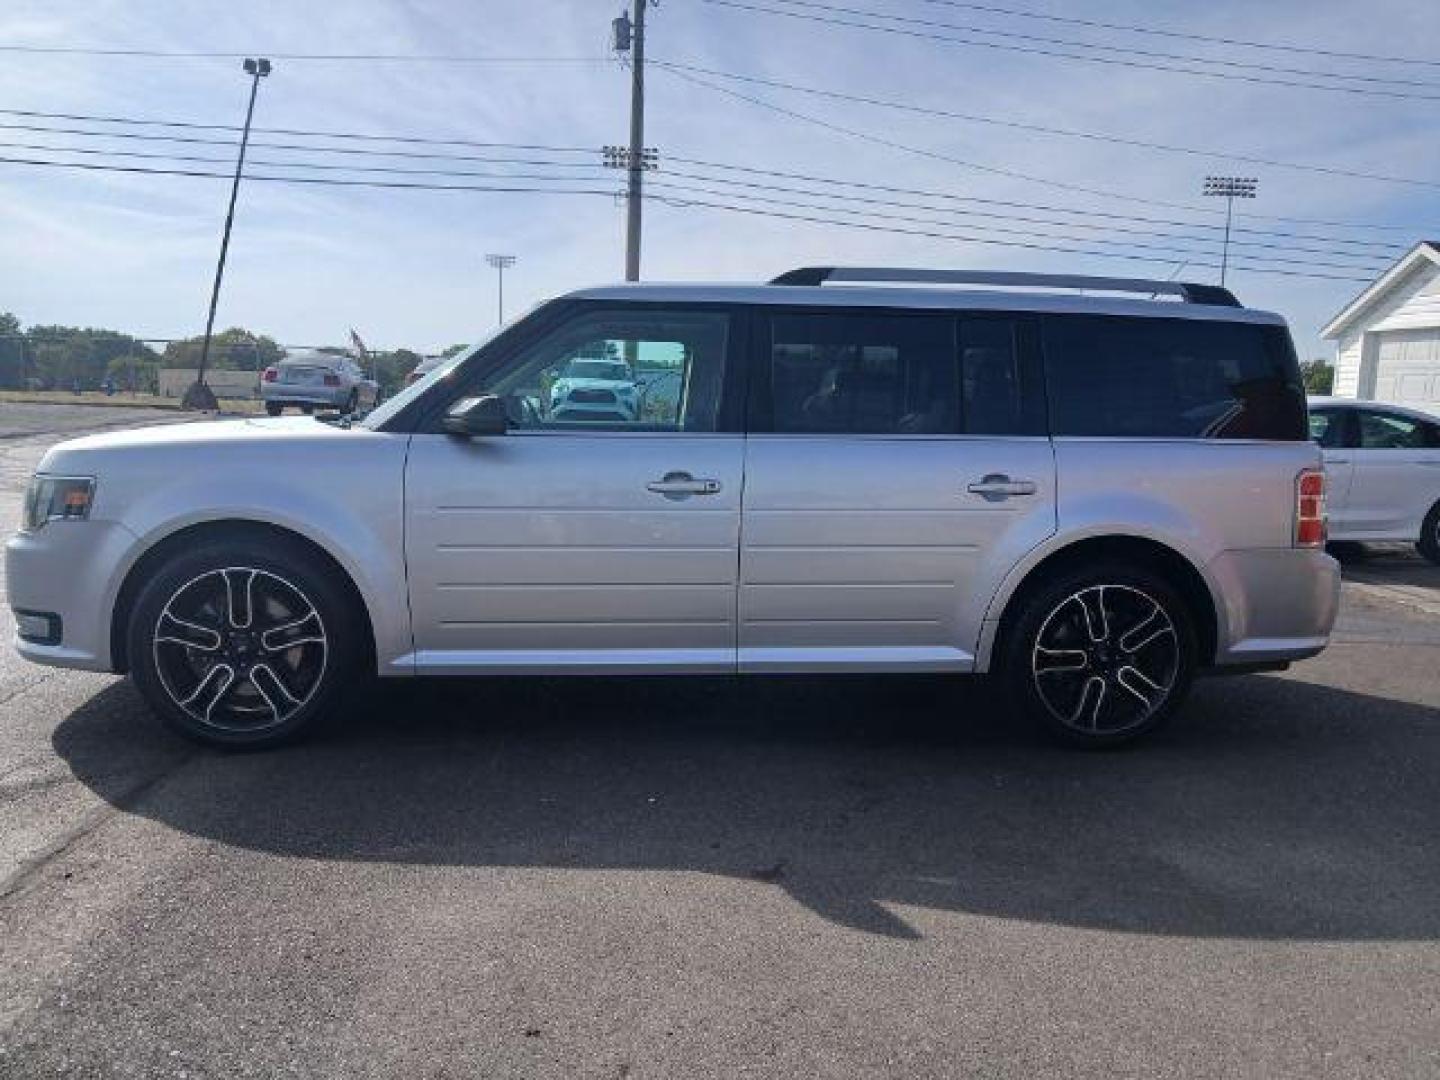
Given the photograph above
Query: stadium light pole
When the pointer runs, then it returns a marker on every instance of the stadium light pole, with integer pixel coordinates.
(501, 263)
(200, 396)
(1229, 188)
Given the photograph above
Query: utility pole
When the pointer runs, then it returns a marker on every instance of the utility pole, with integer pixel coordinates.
(629, 37)
(501, 263)
(1230, 188)
(200, 396)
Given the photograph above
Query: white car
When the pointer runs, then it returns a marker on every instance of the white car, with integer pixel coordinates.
(1382, 465)
(589, 389)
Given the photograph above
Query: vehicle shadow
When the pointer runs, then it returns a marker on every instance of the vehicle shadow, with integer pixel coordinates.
(1275, 809)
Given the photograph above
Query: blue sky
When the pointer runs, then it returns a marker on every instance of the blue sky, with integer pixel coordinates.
(136, 252)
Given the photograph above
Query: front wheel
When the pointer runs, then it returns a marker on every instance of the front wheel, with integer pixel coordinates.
(242, 642)
(1100, 656)
(1429, 543)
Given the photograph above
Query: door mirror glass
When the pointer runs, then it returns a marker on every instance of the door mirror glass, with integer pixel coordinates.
(472, 416)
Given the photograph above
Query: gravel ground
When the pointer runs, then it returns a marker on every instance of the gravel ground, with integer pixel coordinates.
(714, 877)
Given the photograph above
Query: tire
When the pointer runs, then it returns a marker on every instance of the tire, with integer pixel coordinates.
(352, 403)
(1100, 656)
(243, 641)
(274, 408)
(1429, 542)
(307, 409)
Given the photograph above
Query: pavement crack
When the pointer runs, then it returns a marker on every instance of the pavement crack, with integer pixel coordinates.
(30, 868)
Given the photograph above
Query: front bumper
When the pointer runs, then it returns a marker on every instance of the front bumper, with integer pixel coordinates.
(1278, 604)
(67, 569)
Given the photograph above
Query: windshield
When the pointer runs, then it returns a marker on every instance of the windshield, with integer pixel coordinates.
(376, 417)
(597, 369)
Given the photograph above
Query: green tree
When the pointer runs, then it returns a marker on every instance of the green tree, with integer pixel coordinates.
(135, 374)
(1318, 375)
(235, 349)
(64, 356)
(12, 354)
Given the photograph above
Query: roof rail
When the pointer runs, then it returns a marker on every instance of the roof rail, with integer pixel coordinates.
(1190, 292)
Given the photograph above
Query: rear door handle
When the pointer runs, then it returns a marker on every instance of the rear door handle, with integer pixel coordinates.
(997, 487)
(681, 485)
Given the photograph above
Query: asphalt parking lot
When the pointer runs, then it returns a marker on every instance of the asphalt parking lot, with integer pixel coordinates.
(710, 877)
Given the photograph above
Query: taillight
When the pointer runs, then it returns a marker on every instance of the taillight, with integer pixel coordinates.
(269, 374)
(332, 380)
(1310, 508)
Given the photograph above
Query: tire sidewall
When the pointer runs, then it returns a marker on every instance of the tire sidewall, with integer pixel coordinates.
(1037, 605)
(292, 563)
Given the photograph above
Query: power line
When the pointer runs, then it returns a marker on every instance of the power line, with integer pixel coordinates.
(315, 166)
(1041, 129)
(345, 135)
(1010, 173)
(1096, 24)
(168, 54)
(1039, 51)
(1073, 43)
(1107, 214)
(1169, 250)
(679, 71)
(733, 207)
(315, 180)
(846, 197)
(1107, 226)
(546, 163)
(971, 239)
(194, 140)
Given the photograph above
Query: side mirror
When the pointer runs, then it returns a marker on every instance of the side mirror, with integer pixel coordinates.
(471, 416)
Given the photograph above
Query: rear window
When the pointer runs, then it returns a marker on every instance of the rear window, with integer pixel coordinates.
(1172, 378)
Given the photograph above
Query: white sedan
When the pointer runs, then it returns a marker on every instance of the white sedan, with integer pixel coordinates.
(1382, 464)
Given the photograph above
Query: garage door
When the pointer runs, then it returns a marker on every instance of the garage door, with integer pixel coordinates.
(1407, 368)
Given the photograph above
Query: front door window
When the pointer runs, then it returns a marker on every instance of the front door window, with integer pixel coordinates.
(630, 370)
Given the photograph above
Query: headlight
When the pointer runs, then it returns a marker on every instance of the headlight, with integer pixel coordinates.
(53, 498)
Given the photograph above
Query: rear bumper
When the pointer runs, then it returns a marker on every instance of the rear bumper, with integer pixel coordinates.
(304, 395)
(1277, 604)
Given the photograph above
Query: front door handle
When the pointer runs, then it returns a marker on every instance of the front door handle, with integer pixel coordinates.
(1337, 461)
(681, 485)
(997, 487)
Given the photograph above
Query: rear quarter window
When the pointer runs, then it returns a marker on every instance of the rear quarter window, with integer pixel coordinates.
(1172, 378)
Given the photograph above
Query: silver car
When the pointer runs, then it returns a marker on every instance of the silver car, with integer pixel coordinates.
(316, 380)
(1094, 498)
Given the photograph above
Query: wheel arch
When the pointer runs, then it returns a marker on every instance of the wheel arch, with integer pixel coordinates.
(229, 528)
(1178, 569)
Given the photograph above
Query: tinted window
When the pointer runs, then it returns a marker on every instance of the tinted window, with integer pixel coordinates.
(636, 369)
(1327, 427)
(841, 372)
(995, 397)
(1175, 378)
(1386, 431)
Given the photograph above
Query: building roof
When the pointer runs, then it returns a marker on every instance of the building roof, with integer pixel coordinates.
(1425, 250)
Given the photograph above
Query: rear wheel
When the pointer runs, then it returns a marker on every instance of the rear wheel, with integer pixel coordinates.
(244, 642)
(1100, 656)
(352, 403)
(274, 408)
(1429, 543)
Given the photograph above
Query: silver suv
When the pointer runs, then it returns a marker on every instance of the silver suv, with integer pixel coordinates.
(1093, 498)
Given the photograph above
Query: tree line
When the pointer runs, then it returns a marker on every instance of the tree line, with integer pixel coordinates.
(88, 358)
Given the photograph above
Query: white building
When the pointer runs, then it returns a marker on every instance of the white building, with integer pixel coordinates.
(1388, 338)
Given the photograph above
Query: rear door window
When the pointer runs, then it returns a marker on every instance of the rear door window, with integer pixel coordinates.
(1172, 378)
(863, 373)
